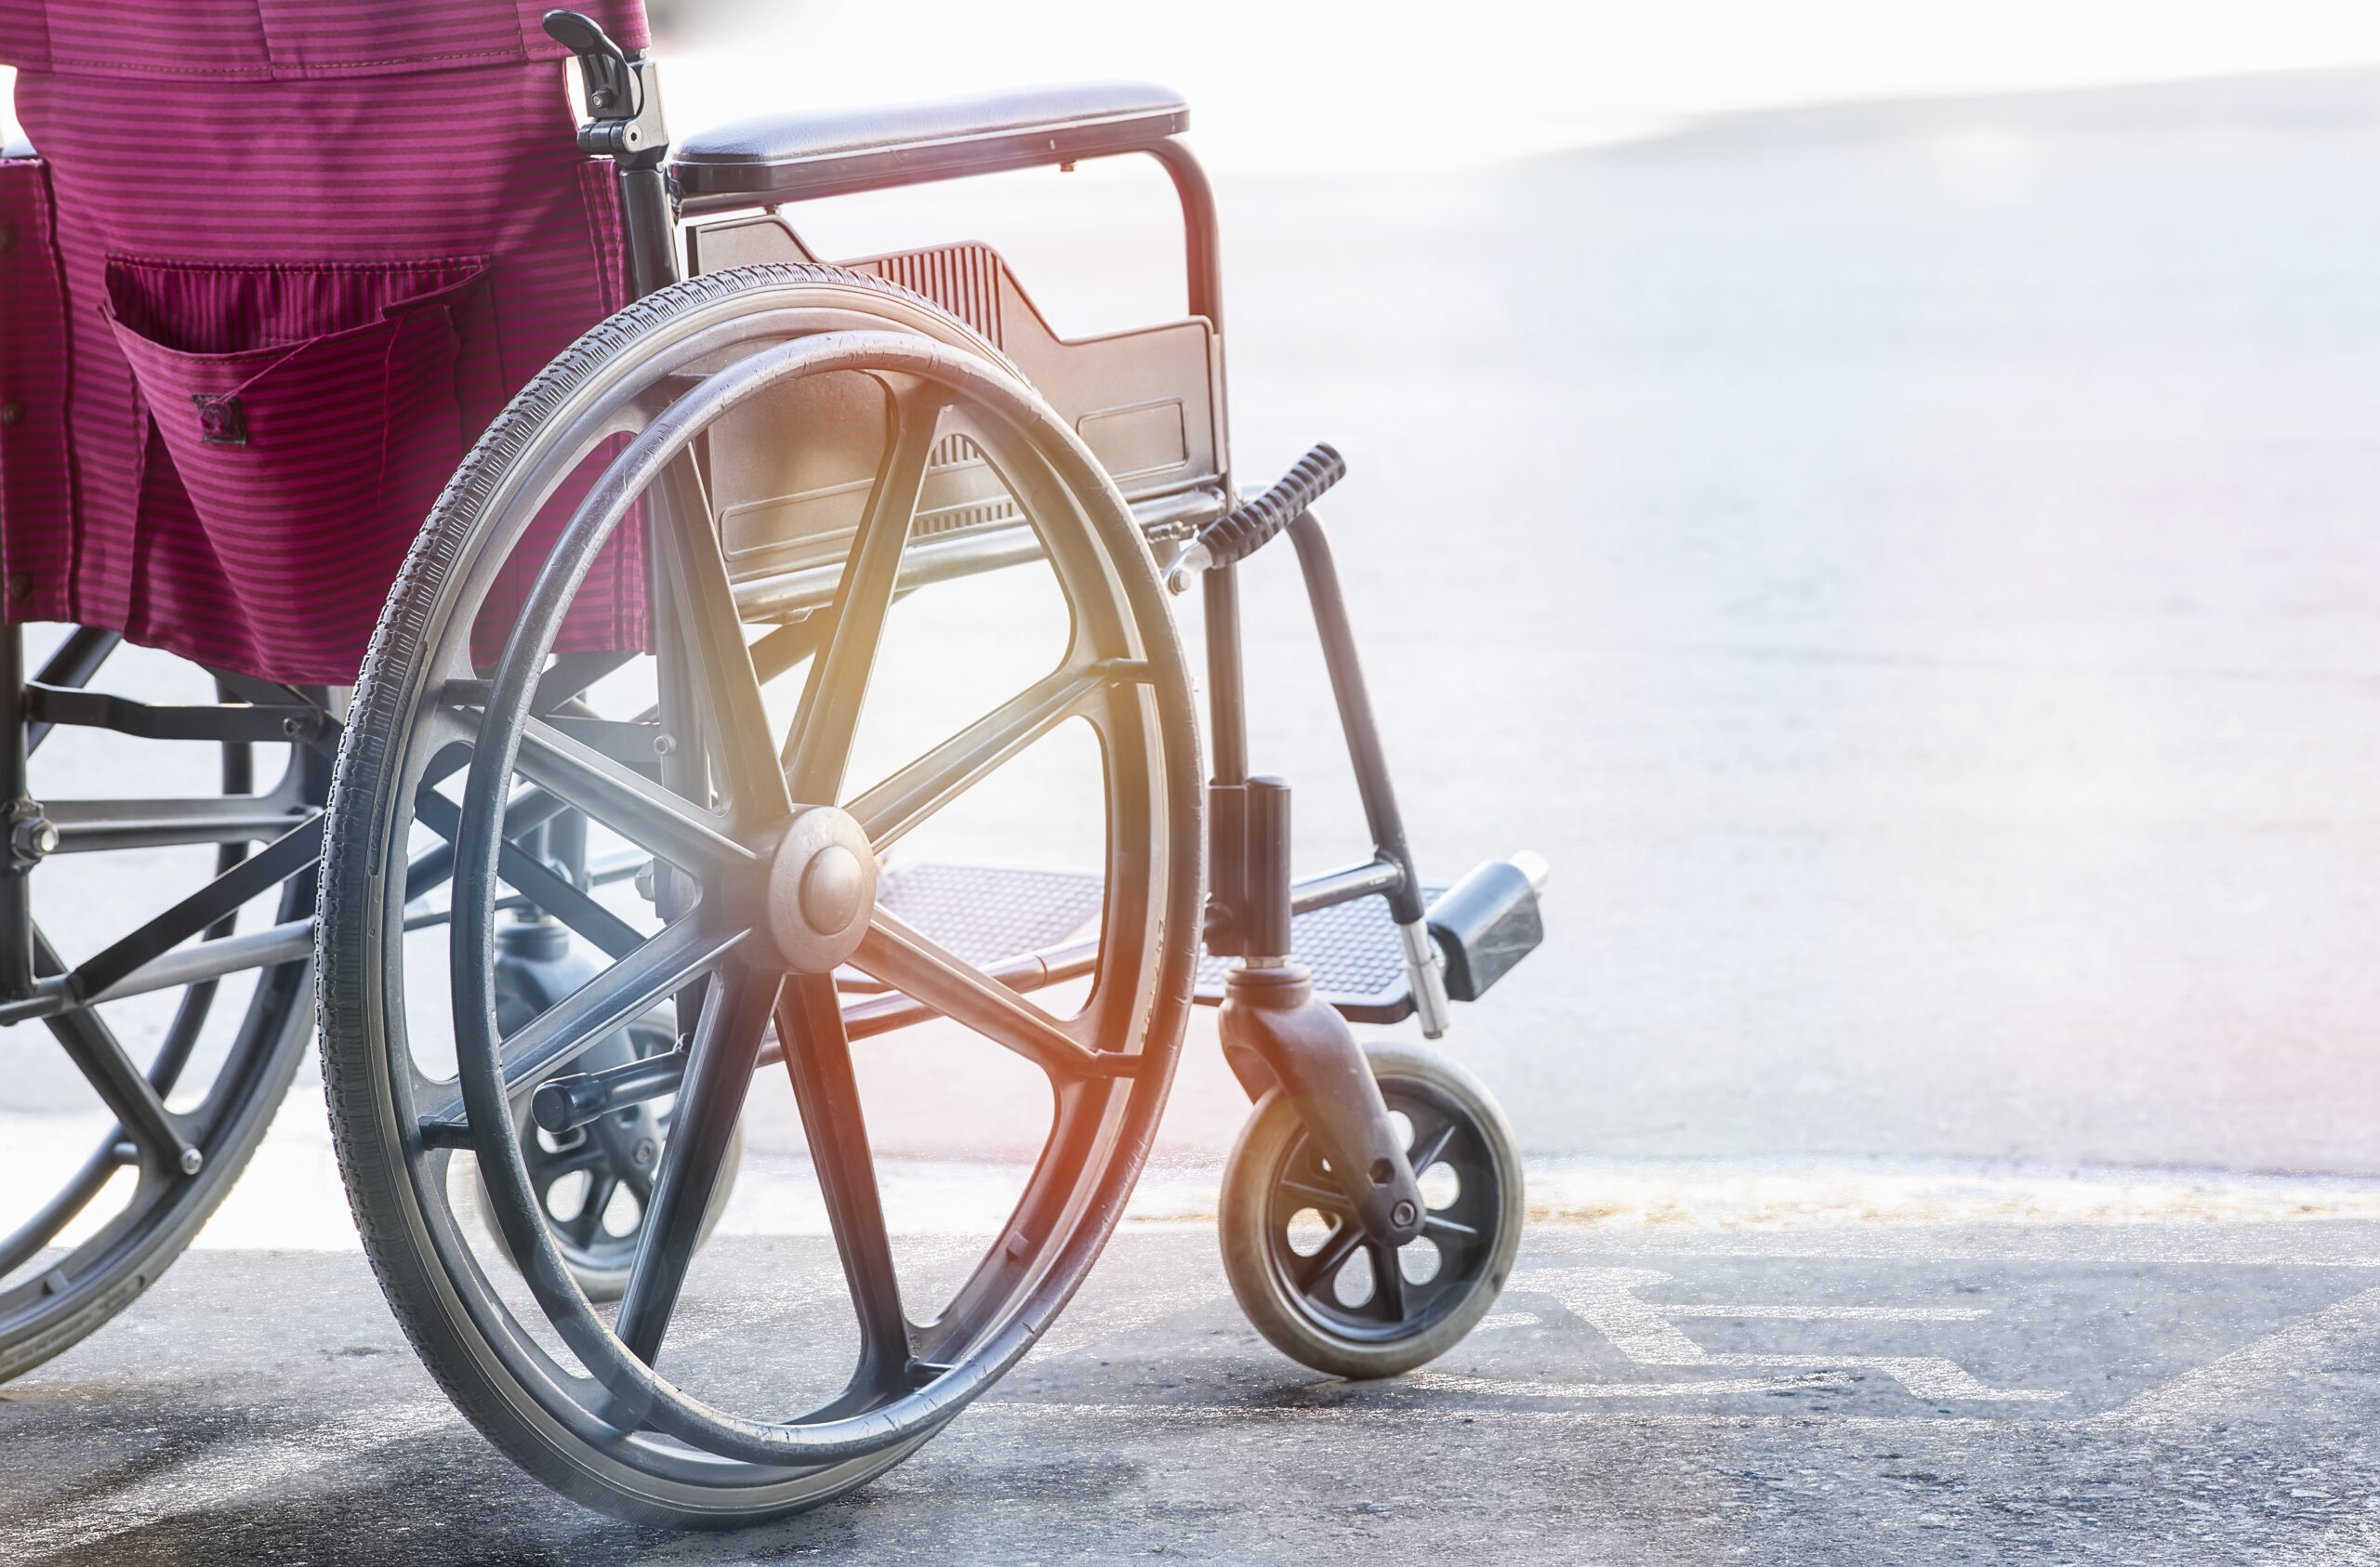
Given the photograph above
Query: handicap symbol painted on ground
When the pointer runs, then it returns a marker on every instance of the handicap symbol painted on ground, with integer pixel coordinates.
(1646, 1332)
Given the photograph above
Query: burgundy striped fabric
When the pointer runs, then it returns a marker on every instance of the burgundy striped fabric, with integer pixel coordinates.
(277, 264)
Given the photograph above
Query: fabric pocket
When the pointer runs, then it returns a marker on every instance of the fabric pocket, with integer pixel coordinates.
(312, 414)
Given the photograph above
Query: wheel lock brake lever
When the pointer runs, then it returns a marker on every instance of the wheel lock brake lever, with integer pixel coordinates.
(623, 109)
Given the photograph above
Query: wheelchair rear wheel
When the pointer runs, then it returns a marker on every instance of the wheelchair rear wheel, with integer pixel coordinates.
(191, 1073)
(763, 865)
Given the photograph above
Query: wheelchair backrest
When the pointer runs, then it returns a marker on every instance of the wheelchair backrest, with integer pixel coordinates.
(276, 264)
(1147, 402)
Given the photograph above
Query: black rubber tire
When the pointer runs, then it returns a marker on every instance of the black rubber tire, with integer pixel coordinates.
(370, 1112)
(1254, 1216)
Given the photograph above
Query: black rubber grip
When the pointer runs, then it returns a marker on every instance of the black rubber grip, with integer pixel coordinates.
(1249, 526)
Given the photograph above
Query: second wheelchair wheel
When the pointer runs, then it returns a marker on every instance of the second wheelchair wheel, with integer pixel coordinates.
(1302, 1269)
(782, 426)
(593, 1181)
(187, 1049)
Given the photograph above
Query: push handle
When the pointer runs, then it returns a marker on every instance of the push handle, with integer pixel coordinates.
(1252, 525)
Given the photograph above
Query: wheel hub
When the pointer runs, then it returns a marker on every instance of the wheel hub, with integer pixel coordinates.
(822, 888)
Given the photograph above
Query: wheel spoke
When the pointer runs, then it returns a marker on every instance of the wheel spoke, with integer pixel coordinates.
(711, 634)
(1324, 1265)
(627, 803)
(719, 1072)
(1388, 1282)
(128, 1093)
(818, 1058)
(666, 963)
(1425, 1157)
(913, 964)
(915, 793)
(587, 1226)
(1328, 1198)
(296, 852)
(652, 973)
(782, 648)
(588, 1155)
(532, 878)
(818, 748)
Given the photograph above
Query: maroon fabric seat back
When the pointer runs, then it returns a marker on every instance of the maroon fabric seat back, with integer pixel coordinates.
(276, 266)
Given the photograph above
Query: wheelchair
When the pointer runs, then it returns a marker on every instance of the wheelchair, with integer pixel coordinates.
(578, 890)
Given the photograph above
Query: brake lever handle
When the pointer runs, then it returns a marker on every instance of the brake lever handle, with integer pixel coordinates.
(623, 101)
(602, 65)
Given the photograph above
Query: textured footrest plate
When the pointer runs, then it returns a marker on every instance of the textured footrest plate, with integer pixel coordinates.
(987, 913)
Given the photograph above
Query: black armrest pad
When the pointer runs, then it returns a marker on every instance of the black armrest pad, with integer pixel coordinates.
(784, 157)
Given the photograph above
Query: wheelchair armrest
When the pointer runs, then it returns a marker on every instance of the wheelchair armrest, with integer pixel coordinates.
(793, 157)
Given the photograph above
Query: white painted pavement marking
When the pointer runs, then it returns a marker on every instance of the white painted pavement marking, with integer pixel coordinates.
(1605, 1298)
(1785, 1193)
(2269, 1364)
(1446, 1382)
(1928, 1377)
(1494, 1320)
(2309, 1245)
(1834, 1313)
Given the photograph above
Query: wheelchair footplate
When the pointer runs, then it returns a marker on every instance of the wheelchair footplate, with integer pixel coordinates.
(988, 913)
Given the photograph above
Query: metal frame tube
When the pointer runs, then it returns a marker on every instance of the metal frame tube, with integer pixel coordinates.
(1345, 887)
(651, 229)
(1424, 972)
(1380, 814)
(1227, 692)
(1202, 233)
(15, 888)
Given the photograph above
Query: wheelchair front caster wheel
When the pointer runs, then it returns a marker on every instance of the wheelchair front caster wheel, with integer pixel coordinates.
(595, 1182)
(1304, 1272)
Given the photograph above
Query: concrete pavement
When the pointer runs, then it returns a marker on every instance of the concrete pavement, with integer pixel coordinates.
(2194, 1393)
